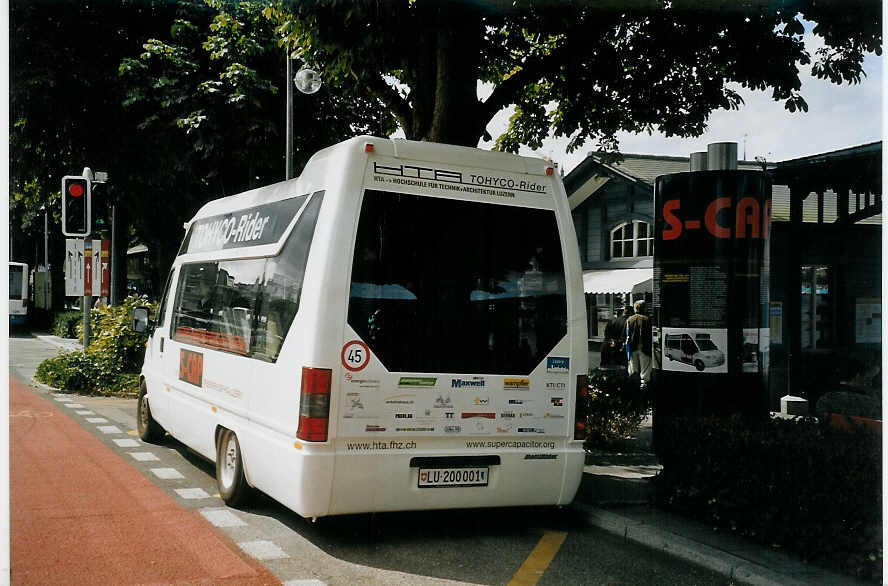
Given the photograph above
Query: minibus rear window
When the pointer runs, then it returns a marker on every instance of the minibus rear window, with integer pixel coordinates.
(441, 285)
(15, 282)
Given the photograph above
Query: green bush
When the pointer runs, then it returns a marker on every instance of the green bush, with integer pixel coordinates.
(111, 363)
(796, 484)
(65, 324)
(614, 406)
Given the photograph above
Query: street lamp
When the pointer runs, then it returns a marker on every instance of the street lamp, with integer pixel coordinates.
(307, 81)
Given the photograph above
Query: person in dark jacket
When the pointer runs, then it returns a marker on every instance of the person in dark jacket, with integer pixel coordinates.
(639, 343)
(613, 352)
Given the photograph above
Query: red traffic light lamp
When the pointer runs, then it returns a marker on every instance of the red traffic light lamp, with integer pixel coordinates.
(76, 205)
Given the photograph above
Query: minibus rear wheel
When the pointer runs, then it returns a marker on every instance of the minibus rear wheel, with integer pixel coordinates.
(149, 429)
(230, 479)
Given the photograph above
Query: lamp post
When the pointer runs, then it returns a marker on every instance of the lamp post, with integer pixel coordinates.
(307, 81)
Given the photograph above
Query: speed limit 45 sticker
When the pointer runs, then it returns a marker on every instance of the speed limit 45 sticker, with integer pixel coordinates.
(355, 355)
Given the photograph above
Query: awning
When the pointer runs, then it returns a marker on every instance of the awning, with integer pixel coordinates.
(618, 281)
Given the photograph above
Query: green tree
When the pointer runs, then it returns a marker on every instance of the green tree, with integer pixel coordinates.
(210, 97)
(179, 102)
(584, 70)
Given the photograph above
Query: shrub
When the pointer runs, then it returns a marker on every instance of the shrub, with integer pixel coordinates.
(65, 324)
(614, 406)
(796, 484)
(111, 363)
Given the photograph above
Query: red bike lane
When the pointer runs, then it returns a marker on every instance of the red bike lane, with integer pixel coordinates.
(79, 514)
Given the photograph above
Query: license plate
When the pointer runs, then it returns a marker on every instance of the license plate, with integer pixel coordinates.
(438, 477)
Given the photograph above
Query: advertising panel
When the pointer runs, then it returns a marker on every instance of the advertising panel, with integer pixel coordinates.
(710, 268)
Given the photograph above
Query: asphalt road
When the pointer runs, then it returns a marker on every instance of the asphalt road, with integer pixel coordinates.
(486, 546)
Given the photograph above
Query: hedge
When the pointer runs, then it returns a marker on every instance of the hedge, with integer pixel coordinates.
(111, 363)
(65, 323)
(799, 484)
(613, 407)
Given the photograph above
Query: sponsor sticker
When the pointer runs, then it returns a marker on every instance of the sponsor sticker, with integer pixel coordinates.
(531, 430)
(470, 415)
(476, 382)
(399, 400)
(482, 401)
(520, 401)
(443, 403)
(374, 428)
(516, 384)
(417, 381)
(364, 383)
(191, 367)
(556, 386)
(452, 429)
(558, 365)
(557, 401)
(423, 429)
(403, 415)
(541, 456)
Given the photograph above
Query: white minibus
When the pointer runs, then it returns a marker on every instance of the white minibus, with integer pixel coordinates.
(18, 293)
(402, 327)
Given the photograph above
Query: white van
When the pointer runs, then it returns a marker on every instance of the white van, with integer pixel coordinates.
(700, 351)
(402, 327)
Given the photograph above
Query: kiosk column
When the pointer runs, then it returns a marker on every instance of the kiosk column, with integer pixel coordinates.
(710, 301)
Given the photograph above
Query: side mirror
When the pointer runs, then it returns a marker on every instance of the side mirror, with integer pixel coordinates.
(140, 322)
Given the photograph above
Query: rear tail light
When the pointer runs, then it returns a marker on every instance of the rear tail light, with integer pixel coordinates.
(314, 404)
(580, 407)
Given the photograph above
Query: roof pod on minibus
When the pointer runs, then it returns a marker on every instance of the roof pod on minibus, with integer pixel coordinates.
(397, 148)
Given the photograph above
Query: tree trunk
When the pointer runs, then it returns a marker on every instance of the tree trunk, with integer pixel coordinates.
(445, 101)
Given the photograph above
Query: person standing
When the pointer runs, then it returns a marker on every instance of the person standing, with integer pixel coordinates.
(613, 350)
(639, 343)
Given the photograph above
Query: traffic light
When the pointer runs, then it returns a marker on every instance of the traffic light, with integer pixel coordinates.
(76, 205)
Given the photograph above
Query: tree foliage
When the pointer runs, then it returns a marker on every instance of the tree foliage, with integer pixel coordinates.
(179, 102)
(583, 70)
(183, 101)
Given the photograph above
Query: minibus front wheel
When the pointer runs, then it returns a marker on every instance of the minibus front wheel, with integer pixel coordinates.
(230, 479)
(149, 430)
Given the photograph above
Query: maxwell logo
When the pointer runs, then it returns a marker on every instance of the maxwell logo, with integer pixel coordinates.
(459, 383)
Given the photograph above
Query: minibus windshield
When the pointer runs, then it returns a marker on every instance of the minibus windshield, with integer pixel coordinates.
(442, 285)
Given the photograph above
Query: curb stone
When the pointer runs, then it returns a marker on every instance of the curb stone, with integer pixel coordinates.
(732, 566)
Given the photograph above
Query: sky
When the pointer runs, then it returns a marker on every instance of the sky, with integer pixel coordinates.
(837, 117)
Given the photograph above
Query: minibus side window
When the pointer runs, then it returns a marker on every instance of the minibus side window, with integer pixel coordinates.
(216, 303)
(245, 306)
(282, 289)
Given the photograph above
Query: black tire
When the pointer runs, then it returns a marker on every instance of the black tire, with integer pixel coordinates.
(149, 430)
(230, 479)
(698, 364)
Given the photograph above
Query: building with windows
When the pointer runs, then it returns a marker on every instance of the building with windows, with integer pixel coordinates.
(825, 255)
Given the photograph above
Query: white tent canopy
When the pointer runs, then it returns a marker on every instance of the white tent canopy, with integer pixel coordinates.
(618, 281)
